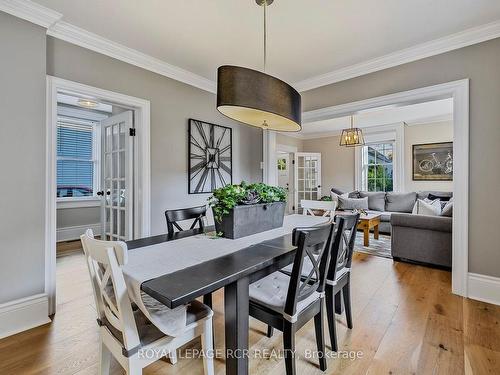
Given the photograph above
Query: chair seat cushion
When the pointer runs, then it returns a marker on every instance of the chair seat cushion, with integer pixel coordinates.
(148, 333)
(271, 292)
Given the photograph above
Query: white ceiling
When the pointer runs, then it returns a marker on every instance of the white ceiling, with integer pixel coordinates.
(306, 38)
(422, 113)
(73, 100)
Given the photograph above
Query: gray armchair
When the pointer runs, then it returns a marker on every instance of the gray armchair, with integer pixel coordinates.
(422, 239)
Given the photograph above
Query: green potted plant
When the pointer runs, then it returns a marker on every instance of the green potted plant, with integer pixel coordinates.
(244, 209)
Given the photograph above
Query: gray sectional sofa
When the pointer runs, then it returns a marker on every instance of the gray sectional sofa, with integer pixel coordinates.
(422, 239)
(415, 238)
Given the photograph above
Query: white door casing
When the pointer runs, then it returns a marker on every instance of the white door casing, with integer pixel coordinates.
(142, 167)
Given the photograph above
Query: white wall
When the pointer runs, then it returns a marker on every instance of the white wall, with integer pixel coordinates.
(282, 139)
(425, 133)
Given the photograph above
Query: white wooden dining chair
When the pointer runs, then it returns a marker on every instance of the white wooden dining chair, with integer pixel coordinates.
(125, 332)
(308, 207)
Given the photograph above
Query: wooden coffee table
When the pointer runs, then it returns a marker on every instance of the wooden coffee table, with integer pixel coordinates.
(367, 222)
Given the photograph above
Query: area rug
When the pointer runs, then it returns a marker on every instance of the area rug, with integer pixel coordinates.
(380, 247)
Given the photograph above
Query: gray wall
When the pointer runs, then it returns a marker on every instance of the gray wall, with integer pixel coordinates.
(337, 163)
(480, 63)
(22, 151)
(420, 134)
(172, 104)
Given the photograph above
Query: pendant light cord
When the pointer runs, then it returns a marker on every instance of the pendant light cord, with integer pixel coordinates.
(265, 36)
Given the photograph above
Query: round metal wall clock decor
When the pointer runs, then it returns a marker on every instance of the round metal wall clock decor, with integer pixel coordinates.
(210, 157)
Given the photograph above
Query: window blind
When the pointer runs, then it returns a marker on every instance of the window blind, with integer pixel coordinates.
(75, 164)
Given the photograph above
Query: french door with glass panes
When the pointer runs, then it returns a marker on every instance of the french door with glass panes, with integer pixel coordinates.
(307, 176)
(116, 177)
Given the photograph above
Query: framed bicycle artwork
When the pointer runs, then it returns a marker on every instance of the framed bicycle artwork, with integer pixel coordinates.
(433, 162)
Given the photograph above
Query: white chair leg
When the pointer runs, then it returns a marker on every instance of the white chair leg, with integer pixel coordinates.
(172, 356)
(104, 359)
(134, 367)
(207, 347)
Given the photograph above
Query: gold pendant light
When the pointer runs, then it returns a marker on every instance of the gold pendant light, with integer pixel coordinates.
(352, 137)
(256, 98)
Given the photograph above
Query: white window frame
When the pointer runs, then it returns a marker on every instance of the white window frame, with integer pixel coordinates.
(365, 164)
(383, 134)
(94, 200)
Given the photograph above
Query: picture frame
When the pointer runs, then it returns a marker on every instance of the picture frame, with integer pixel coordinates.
(210, 154)
(432, 161)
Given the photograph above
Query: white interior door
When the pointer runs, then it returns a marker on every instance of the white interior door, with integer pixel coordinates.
(117, 177)
(285, 178)
(307, 176)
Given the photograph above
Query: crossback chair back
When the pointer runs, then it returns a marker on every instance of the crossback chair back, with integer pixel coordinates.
(343, 257)
(314, 244)
(104, 261)
(173, 216)
(308, 207)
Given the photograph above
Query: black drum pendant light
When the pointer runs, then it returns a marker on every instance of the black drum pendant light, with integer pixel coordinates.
(256, 98)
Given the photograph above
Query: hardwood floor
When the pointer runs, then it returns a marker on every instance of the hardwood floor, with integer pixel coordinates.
(406, 321)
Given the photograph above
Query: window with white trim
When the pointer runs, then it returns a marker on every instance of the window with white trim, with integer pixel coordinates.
(77, 161)
(377, 166)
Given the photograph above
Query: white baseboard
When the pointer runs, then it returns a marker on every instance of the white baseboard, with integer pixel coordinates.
(74, 233)
(23, 314)
(484, 288)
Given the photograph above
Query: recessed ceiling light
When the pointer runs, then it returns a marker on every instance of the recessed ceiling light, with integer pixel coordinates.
(87, 103)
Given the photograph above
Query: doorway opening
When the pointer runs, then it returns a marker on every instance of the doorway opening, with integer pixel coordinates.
(458, 93)
(94, 173)
(97, 170)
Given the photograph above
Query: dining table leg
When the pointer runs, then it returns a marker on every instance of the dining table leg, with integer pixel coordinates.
(236, 327)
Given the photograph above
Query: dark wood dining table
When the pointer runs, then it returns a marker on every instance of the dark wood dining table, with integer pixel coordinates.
(233, 272)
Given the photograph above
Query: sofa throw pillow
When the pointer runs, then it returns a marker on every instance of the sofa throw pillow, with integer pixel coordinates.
(422, 207)
(440, 194)
(448, 209)
(443, 198)
(346, 203)
(376, 200)
(335, 193)
(400, 202)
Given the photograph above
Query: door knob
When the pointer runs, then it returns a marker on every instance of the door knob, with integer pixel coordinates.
(100, 193)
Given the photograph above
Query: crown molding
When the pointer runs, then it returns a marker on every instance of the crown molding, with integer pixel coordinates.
(30, 11)
(420, 51)
(83, 38)
(50, 19)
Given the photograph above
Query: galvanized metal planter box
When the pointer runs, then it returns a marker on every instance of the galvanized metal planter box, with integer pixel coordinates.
(245, 220)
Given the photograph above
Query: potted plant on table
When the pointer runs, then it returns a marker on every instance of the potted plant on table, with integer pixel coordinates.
(245, 209)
